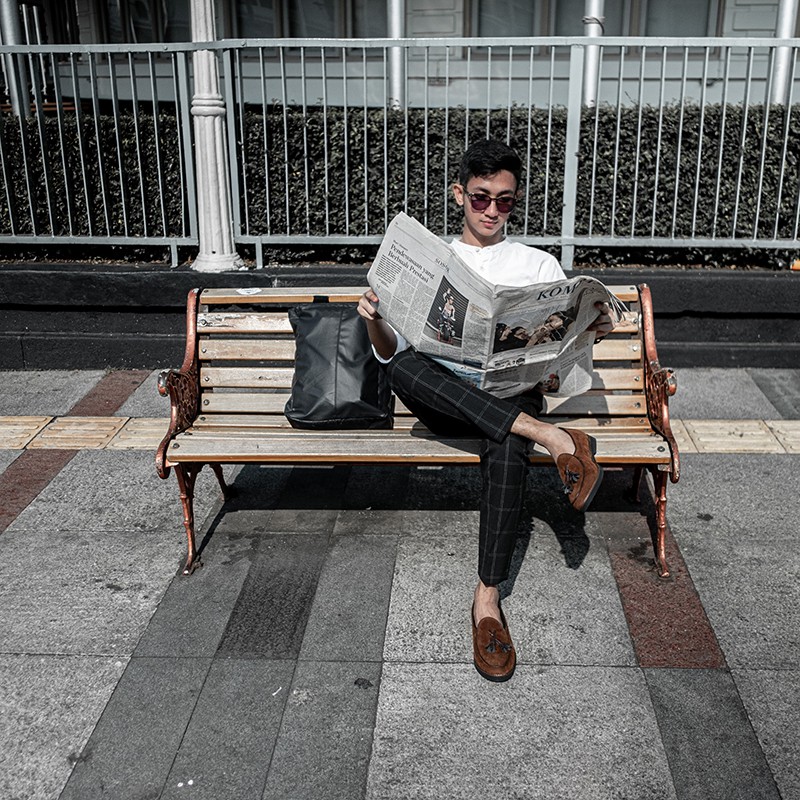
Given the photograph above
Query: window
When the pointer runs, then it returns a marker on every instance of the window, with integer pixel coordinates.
(507, 18)
(679, 18)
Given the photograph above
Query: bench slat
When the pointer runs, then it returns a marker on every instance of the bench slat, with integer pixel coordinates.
(335, 294)
(279, 422)
(281, 378)
(380, 447)
(232, 322)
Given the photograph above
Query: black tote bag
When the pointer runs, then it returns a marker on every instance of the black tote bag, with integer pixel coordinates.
(338, 383)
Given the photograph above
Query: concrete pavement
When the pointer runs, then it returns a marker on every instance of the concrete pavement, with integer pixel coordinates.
(324, 649)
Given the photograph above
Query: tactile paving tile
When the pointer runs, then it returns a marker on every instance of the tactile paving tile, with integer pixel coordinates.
(732, 436)
(16, 432)
(684, 441)
(78, 433)
(787, 432)
(140, 433)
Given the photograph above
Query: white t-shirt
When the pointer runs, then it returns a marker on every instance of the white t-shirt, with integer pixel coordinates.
(507, 263)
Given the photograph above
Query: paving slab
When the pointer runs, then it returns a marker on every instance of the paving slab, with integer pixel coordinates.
(325, 741)
(772, 700)
(550, 733)
(559, 612)
(348, 617)
(782, 389)
(738, 542)
(115, 491)
(132, 748)
(712, 749)
(49, 706)
(146, 401)
(6, 457)
(227, 747)
(717, 393)
(404, 522)
(270, 614)
(48, 392)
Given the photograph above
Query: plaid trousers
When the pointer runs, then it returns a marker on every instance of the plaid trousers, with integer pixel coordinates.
(449, 406)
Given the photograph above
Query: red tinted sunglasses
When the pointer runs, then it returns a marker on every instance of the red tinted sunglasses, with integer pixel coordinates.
(480, 202)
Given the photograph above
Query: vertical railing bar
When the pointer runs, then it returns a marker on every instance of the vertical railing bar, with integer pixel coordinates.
(265, 139)
(529, 145)
(45, 154)
(659, 138)
(240, 201)
(488, 91)
(325, 139)
(285, 114)
(76, 93)
(638, 151)
(572, 140)
(742, 139)
(229, 143)
(10, 203)
(593, 183)
(346, 134)
(365, 139)
(123, 185)
(445, 192)
(183, 123)
(787, 118)
(304, 102)
(721, 153)
(616, 141)
(407, 119)
(23, 138)
(157, 133)
(385, 141)
(466, 99)
(764, 138)
(137, 137)
(426, 154)
(549, 147)
(58, 98)
(701, 134)
(679, 149)
(183, 126)
(510, 95)
(100, 161)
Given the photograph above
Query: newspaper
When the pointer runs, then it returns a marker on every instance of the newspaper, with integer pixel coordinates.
(504, 339)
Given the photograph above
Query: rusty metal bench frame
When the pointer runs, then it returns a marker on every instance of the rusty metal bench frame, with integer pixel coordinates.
(227, 401)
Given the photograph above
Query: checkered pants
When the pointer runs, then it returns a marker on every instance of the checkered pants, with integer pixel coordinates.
(448, 406)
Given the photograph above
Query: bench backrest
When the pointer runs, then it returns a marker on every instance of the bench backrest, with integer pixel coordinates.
(245, 349)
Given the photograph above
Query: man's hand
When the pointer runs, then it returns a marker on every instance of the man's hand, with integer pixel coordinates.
(604, 323)
(368, 306)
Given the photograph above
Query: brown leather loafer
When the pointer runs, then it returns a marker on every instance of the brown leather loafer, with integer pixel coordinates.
(492, 649)
(580, 473)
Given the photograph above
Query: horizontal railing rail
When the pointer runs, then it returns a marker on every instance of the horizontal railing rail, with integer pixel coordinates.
(632, 142)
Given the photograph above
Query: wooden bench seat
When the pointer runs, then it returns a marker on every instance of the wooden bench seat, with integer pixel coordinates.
(227, 402)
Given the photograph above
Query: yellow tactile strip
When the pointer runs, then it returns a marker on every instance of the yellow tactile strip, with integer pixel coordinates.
(17, 432)
(145, 433)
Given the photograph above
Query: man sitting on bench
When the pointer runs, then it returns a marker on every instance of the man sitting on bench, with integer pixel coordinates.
(488, 188)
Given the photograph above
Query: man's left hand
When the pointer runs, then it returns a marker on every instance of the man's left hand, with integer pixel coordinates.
(604, 323)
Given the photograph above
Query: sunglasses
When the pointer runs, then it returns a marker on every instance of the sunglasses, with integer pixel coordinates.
(480, 202)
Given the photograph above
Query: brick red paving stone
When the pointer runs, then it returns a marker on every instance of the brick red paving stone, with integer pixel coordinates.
(25, 477)
(667, 622)
(28, 474)
(109, 393)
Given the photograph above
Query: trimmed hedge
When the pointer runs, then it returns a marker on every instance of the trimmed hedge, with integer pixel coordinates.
(310, 173)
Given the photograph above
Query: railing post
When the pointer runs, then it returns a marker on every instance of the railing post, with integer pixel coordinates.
(396, 18)
(782, 61)
(215, 225)
(571, 147)
(16, 71)
(593, 25)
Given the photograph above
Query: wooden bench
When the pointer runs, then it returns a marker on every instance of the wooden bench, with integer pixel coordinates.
(227, 402)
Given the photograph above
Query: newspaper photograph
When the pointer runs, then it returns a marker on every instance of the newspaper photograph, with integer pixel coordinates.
(504, 339)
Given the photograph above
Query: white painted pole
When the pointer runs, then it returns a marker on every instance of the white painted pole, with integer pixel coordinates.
(16, 71)
(214, 220)
(593, 25)
(782, 70)
(396, 19)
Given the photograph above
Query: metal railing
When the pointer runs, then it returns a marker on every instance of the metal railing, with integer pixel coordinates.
(684, 146)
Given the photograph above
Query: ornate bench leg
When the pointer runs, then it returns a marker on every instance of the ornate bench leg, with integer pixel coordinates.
(660, 478)
(187, 475)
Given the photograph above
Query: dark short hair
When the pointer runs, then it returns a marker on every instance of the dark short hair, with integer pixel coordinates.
(487, 157)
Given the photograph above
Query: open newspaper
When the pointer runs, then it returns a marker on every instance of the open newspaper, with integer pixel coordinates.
(504, 339)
